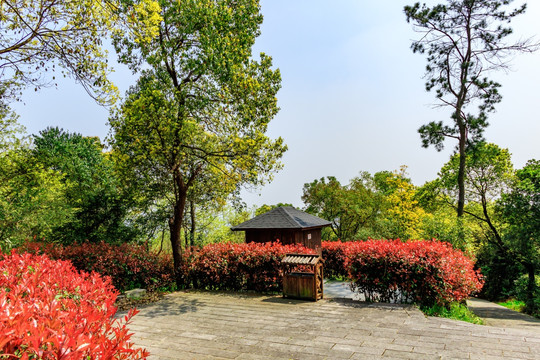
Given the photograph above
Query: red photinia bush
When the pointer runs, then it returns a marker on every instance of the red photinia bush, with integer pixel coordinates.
(129, 265)
(335, 259)
(49, 310)
(425, 272)
(235, 267)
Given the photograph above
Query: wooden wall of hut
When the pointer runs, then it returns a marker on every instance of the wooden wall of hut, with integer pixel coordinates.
(310, 238)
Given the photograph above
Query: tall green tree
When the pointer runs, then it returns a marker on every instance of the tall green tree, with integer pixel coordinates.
(91, 189)
(403, 214)
(488, 173)
(464, 41)
(201, 107)
(11, 132)
(349, 207)
(266, 208)
(32, 200)
(521, 208)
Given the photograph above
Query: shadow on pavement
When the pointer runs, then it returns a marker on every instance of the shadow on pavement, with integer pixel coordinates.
(289, 301)
(504, 315)
(170, 306)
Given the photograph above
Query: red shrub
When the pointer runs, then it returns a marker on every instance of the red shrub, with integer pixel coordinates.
(335, 258)
(129, 265)
(51, 311)
(424, 272)
(236, 267)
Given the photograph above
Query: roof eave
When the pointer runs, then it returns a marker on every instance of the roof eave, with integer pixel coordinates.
(235, 228)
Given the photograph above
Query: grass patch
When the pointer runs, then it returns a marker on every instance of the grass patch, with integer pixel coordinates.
(455, 311)
(336, 278)
(519, 306)
(513, 304)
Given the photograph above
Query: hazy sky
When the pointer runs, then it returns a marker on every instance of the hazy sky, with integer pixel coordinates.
(352, 95)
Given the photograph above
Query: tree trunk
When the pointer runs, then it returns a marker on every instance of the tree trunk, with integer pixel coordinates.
(530, 304)
(161, 243)
(175, 227)
(498, 239)
(461, 176)
(461, 119)
(193, 227)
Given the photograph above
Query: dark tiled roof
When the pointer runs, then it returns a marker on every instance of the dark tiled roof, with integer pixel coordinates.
(284, 217)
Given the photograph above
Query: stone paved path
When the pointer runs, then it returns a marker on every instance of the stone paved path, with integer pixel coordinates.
(497, 315)
(201, 325)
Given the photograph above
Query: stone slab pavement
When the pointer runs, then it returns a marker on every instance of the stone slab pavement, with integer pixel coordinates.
(208, 325)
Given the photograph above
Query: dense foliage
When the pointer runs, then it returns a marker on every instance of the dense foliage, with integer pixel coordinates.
(381, 205)
(128, 265)
(92, 191)
(423, 272)
(224, 266)
(413, 271)
(52, 311)
(32, 198)
(63, 187)
(520, 206)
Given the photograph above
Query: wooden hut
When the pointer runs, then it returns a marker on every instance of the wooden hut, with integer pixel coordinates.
(286, 224)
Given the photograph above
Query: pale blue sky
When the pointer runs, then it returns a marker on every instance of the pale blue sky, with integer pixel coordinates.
(352, 97)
